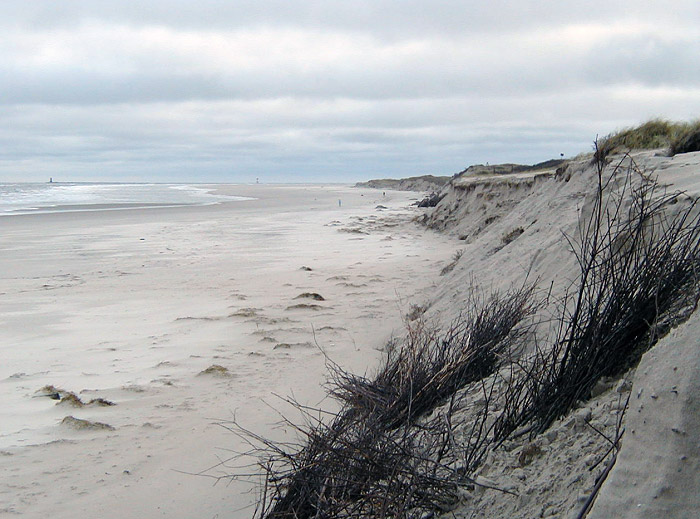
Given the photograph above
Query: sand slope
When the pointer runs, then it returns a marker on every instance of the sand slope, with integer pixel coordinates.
(656, 472)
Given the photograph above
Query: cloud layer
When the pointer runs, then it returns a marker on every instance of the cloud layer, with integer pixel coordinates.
(339, 91)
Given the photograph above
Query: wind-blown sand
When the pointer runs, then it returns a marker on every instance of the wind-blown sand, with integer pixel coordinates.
(133, 306)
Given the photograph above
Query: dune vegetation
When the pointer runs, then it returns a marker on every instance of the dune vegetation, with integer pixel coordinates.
(678, 137)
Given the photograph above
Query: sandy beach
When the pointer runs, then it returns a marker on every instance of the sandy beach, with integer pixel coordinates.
(133, 306)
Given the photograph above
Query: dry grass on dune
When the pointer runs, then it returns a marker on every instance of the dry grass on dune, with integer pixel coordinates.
(687, 140)
(679, 137)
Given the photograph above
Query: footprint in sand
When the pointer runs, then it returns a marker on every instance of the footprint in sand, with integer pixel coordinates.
(351, 285)
(305, 306)
(330, 329)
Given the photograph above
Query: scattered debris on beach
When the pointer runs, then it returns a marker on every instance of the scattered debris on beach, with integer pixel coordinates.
(216, 370)
(245, 312)
(69, 398)
(311, 295)
(51, 392)
(75, 401)
(85, 425)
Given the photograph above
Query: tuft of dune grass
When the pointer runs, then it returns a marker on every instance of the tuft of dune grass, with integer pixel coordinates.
(687, 140)
(655, 133)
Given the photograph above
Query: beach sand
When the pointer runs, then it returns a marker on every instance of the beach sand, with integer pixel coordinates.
(133, 306)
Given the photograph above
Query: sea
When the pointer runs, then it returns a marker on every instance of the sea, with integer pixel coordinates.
(51, 197)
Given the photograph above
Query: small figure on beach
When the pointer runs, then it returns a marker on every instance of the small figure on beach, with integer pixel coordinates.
(339, 202)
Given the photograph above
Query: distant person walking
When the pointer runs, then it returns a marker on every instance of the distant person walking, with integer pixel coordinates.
(340, 202)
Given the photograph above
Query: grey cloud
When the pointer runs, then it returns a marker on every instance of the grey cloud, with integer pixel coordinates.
(341, 91)
(394, 18)
(380, 140)
(647, 60)
(620, 61)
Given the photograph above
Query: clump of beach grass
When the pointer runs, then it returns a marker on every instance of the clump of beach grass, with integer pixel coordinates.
(311, 295)
(678, 136)
(216, 370)
(85, 425)
(304, 306)
(511, 235)
(452, 264)
(688, 140)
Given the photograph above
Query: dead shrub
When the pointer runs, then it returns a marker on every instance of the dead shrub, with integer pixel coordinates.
(380, 455)
(638, 262)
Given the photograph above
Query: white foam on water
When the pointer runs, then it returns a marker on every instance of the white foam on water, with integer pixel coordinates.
(28, 198)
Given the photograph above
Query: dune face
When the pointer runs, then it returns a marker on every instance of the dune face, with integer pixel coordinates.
(518, 225)
(513, 226)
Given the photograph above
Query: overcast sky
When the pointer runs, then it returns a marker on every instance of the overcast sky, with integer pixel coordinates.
(230, 90)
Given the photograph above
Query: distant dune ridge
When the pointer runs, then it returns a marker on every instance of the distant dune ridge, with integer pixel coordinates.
(505, 169)
(421, 183)
(433, 183)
